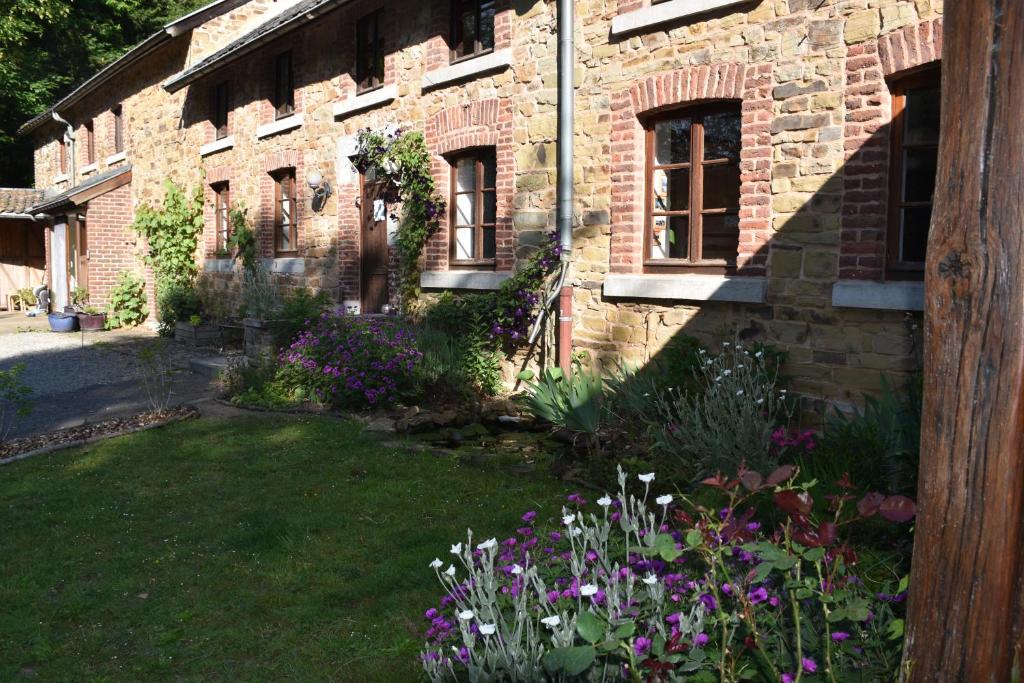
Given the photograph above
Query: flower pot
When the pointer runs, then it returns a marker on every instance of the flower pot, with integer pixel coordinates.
(92, 321)
(197, 335)
(63, 322)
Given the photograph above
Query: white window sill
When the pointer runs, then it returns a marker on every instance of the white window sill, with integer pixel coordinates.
(663, 12)
(295, 265)
(686, 287)
(462, 279)
(115, 158)
(91, 168)
(374, 98)
(62, 178)
(219, 265)
(492, 61)
(217, 146)
(280, 126)
(883, 296)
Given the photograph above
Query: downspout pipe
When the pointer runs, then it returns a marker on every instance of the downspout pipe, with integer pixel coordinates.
(69, 141)
(564, 189)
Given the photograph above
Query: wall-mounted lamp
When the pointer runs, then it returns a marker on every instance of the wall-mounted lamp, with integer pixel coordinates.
(321, 190)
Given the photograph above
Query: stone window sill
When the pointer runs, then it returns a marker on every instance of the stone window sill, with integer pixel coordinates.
(280, 126)
(219, 265)
(883, 296)
(217, 146)
(498, 60)
(462, 279)
(295, 265)
(115, 158)
(749, 290)
(374, 98)
(91, 168)
(62, 178)
(638, 20)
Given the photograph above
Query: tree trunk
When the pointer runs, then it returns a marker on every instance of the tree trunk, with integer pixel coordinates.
(966, 613)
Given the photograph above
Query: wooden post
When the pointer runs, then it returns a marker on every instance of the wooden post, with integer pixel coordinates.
(966, 613)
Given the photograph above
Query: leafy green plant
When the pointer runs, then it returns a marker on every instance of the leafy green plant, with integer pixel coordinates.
(260, 384)
(26, 296)
(15, 399)
(574, 402)
(299, 309)
(242, 241)
(127, 306)
(79, 296)
(176, 301)
(455, 366)
(458, 327)
(195, 320)
(259, 295)
(156, 370)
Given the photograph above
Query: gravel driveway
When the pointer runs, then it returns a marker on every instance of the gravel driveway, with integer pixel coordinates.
(78, 378)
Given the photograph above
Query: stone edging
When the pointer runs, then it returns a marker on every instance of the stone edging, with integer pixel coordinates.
(93, 439)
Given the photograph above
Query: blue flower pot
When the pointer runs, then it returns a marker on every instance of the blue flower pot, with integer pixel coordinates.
(63, 322)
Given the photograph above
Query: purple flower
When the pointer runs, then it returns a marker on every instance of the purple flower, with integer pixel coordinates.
(430, 613)
(810, 666)
(641, 645)
(709, 602)
(840, 636)
(700, 640)
(758, 595)
(529, 516)
(787, 678)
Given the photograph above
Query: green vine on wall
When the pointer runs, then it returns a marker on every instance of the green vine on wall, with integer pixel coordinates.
(401, 162)
(242, 241)
(172, 232)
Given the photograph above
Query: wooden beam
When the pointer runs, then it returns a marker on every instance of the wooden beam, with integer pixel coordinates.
(966, 612)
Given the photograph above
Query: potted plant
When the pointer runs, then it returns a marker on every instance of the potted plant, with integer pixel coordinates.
(196, 332)
(63, 322)
(92, 318)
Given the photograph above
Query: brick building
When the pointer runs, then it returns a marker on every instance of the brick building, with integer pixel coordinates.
(760, 168)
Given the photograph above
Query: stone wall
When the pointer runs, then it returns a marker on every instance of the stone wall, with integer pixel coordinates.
(809, 77)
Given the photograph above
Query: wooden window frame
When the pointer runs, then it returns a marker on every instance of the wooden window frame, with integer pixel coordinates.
(284, 88)
(221, 107)
(90, 143)
(284, 180)
(369, 67)
(221, 211)
(479, 261)
(63, 159)
(895, 269)
(456, 31)
(696, 200)
(118, 113)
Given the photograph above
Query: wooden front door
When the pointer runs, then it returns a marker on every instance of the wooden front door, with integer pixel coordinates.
(374, 256)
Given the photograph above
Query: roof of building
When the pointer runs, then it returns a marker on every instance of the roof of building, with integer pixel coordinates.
(18, 200)
(80, 192)
(288, 20)
(168, 32)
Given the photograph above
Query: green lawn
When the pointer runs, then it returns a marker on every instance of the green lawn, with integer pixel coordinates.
(263, 548)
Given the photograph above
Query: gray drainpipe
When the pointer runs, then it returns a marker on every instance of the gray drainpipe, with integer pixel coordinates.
(564, 192)
(69, 140)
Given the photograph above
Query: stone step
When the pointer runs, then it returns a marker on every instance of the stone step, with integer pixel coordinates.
(210, 366)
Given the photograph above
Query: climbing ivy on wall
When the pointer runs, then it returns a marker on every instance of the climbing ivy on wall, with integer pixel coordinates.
(172, 232)
(400, 161)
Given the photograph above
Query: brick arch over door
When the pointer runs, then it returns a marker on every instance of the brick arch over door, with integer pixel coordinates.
(866, 130)
(748, 84)
(485, 123)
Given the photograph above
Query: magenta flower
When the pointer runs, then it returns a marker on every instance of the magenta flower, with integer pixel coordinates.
(810, 666)
(641, 645)
(840, 636)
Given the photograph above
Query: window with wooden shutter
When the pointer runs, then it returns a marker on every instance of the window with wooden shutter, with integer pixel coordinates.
(693, 189)
(912, 171)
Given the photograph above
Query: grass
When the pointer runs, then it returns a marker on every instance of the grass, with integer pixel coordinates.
(264, 548)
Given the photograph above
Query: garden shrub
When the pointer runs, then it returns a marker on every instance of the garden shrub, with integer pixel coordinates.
(176, 301)
(351, 361)
(299, 309)
(454, 366)
(127, 306)
(260, 384)
(466, 344)
(574, 402)
(259, 294)
(630, 590)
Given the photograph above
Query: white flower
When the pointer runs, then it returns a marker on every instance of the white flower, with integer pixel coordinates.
(488, 544)
(663, 500)
(488, 629)
(456, 549)
(569, 519)
(726, 344)
(782, 391)
(466, 615)
(551, 621)
(726, 372)
(450, 571)
(516, 569)
(758, 354)
(575, 531)
(604, 501)
(650, 579)
(760, 401)
(436, 564)
(739, 366)
(646, 478)
(588, 590)
(739, 393)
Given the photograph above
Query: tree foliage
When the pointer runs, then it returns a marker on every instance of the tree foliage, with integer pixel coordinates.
(49, 46)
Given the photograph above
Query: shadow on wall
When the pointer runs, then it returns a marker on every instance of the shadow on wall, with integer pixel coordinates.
(834, 355)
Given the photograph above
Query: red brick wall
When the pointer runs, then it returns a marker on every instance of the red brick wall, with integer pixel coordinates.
(866, 131)
(113, 245)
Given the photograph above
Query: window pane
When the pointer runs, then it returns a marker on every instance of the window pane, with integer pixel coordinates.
(466, 175)
(672, 142)
(670, 237)
(465, 209)
(671, 189)
(722, 137)
(490, 171)
(464, 243)
(490, 247)
(467, 25)
(921, 116)
(490, 207)
(286, 211)
(919, 169)
(914, 236)
(487, 25)
(721, 186)
(720, 237)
